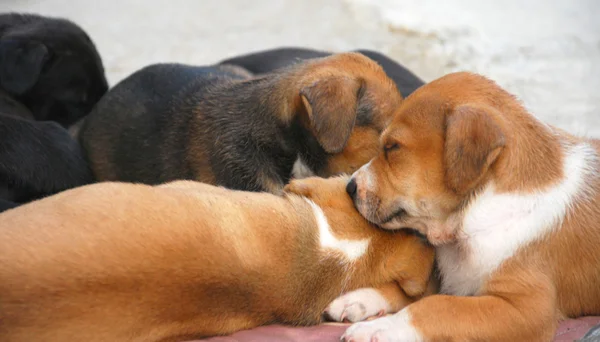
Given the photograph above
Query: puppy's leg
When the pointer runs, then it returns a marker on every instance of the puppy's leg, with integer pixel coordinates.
(235, 71)
(511, 309)
(40, 156)
(367, 302)
(270, 60)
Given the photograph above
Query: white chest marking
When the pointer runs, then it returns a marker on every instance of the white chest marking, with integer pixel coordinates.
(351, 249)
(301, 170)
(496, 225)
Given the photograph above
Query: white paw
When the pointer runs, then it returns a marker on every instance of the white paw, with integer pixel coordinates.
(394, 328)
(358, 305)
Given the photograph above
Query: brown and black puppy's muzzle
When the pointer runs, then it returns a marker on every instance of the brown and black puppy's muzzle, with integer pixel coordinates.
(432, 156)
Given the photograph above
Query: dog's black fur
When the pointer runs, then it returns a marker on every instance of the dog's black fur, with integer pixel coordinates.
(266, 61)
(51, 66)
(50, 76)
(145, 123)
(37, 159)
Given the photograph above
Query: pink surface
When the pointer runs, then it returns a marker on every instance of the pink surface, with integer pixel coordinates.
(279, 333)
(569, 330)
(572, 329)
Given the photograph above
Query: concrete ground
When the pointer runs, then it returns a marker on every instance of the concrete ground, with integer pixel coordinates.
(547, 52)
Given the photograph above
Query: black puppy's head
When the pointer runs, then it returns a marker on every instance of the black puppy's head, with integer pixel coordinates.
(51, 66)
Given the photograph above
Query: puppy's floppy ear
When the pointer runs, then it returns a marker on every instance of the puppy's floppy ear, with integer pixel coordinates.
(21, 63)
(330, 105)
(298, 187)
(473, 142)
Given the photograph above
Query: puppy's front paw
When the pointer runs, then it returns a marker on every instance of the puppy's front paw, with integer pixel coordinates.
(358, 305)
(394, 328)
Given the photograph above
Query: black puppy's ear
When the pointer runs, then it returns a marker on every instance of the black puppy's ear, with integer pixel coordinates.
(21, 63)
(330, 105)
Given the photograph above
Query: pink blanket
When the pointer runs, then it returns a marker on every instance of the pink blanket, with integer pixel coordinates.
(569, 330)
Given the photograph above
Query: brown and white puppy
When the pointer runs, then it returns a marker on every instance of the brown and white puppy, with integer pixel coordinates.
(217, 125)
(132, 262)
(512, 203)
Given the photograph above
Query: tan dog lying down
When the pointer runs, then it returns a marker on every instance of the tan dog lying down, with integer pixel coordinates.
(130, 262)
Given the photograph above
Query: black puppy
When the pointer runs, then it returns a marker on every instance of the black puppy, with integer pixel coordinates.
(50, 75)
(36, 158)
(50, 66)
(267, 61)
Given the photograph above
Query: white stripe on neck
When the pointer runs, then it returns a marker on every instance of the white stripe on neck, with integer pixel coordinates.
(351, 249)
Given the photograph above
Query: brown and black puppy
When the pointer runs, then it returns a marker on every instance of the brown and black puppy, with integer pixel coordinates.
(267, 61)
(132, 262)
(219, 126)
(51, 66)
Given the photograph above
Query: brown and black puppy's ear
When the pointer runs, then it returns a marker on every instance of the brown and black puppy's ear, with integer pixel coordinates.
(298, 187)
(21, 64)
(327, 192)
(473, 142)
(315, 186)
(330, 105)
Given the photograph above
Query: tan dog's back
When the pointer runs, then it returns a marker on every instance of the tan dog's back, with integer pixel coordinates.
(132, 271)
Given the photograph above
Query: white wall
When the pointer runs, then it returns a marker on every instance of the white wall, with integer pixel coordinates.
(545, 51)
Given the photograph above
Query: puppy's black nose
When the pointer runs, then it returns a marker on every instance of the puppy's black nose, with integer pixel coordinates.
(351, 188)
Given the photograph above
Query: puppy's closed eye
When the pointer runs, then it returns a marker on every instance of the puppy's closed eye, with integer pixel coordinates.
(389, 147)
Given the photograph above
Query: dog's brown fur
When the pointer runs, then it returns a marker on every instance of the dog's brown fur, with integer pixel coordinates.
(449, 140)
(126, 262)
(220, 126)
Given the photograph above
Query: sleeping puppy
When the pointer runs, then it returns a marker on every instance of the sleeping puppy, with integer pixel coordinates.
(36, 158)
(132, 262)
(219, 126)
(50, 71)
(512, 204)
(269, 60)
(50, 66)
(13, 108)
